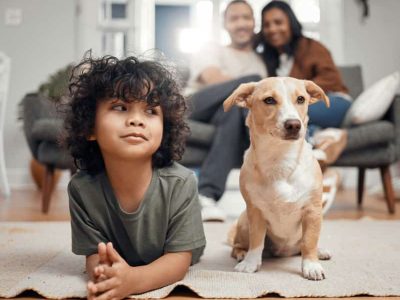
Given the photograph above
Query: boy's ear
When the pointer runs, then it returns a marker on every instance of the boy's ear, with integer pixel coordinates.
(316, 93)
(91, 137)
(241, 96)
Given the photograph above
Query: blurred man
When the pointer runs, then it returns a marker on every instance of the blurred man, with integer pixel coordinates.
(223, 63)
(214, 75)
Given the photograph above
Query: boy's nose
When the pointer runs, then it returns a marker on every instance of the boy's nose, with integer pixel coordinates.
(135, 121)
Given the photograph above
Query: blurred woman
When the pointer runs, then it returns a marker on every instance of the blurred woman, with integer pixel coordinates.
(287, 52)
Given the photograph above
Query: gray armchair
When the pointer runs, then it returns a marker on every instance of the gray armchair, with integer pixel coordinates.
(42, 129)
(372, 145)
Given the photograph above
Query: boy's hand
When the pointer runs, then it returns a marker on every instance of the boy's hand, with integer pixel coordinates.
(119, 278)
(102, 251)
(103, 260)
(98, 276)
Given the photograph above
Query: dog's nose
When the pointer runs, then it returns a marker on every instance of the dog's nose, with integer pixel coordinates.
(292, 126)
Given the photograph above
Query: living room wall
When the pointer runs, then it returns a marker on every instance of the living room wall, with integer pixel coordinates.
(372, 42)
(42, 42)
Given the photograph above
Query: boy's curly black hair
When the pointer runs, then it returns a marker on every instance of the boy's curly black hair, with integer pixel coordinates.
(128, 79)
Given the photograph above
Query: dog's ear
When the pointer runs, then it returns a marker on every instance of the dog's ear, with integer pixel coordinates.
(240, 96)
(316, 93)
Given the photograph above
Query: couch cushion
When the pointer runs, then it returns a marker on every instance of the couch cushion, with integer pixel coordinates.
(352, 78)
(194, 156)
(373, 102)
(202, 134)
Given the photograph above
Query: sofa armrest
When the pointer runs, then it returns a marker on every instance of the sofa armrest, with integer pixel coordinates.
(47, 129)
(386, 130)
(370, 134)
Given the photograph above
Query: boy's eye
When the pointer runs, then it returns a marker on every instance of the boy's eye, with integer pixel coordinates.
(151, 110)
(119, 107)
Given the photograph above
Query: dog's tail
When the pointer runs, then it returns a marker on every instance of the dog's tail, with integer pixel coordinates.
(232, 234)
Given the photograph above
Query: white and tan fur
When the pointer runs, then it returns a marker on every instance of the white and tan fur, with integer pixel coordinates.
(280, 179)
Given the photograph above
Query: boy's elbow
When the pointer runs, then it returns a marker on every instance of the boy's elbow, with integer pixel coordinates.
(186, 260)
(183, 272)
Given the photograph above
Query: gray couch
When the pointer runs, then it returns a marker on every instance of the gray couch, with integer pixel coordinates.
(372, 145)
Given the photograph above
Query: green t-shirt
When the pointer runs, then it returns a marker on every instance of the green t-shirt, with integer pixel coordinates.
(167, 220)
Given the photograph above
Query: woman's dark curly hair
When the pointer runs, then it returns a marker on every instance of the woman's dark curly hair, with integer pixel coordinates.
(128, 79)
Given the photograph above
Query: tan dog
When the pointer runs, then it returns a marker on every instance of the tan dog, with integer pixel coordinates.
(280, 179)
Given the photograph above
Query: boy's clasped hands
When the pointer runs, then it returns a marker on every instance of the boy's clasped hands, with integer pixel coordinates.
(112, 276)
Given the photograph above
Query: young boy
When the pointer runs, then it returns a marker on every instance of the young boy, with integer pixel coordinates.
(134, 211)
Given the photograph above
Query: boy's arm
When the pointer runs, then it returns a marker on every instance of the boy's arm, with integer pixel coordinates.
(92, 261)
(169, 268)
(124, 280)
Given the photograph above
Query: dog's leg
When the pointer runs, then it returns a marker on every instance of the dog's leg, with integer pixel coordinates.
(239, 237)
(324, 254)
(257, 230)
(238, 253)
(311, 223)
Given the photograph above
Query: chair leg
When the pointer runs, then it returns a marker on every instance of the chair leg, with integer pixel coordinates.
(388, 187)
(360, 191)
(48, 184)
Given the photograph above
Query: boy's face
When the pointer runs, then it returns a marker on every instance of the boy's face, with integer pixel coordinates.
(127, 130)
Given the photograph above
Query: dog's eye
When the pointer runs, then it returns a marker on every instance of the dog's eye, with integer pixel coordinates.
(300, 99)
(270, 101)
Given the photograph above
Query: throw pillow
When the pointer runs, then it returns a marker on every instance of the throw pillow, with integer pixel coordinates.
(372, 104)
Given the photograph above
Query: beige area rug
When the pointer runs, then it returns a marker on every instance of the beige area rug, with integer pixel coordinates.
(36, 256)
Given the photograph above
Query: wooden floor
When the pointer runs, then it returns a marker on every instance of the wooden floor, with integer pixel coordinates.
(25, 205)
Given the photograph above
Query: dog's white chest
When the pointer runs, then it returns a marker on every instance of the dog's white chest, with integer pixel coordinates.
(282, 199)
(281, 204)
(295, 189)
(286, 192)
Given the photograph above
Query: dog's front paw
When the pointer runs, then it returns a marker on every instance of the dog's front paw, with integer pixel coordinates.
(247, 266)
(238, 253)
(313, 270)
